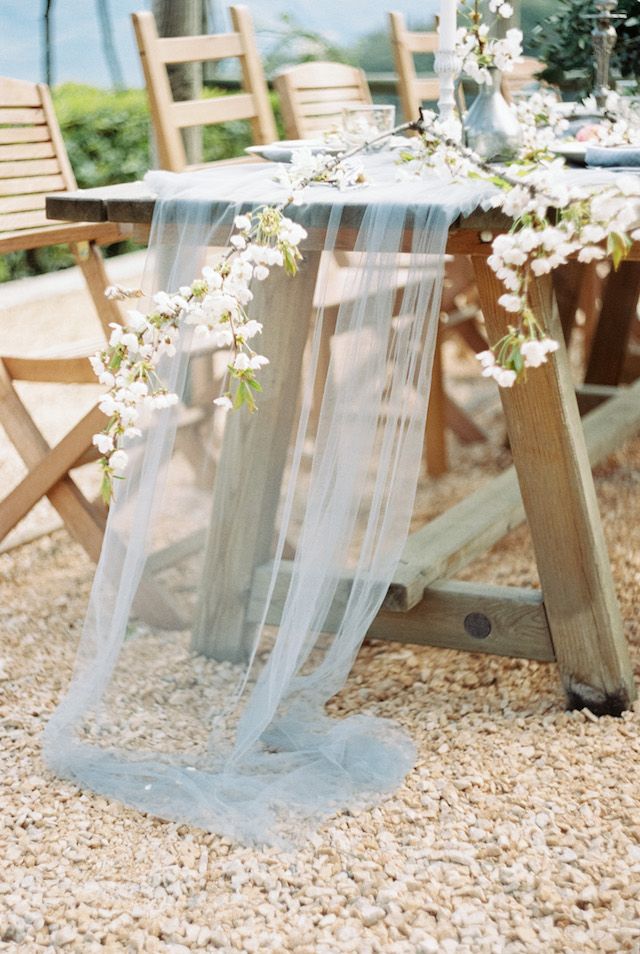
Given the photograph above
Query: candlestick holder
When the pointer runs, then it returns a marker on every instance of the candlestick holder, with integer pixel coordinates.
(604, 40)
(447, 67)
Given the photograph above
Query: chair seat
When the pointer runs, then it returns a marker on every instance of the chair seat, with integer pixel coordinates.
(59, 233)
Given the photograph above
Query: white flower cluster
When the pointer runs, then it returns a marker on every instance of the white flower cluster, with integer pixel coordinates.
(542, 122)
(552, 222)
(478, 51)
(502, 9)
(620, 124)
(431, 151)
(215, 305)
(307, 167)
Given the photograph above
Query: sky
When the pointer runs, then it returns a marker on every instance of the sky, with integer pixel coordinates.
(78, 53)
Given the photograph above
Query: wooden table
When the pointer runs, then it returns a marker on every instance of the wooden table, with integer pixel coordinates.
(575, 620)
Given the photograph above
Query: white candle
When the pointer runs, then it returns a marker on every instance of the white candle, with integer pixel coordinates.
(447, 26)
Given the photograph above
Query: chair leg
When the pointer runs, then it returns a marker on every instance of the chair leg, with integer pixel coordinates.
(470, 333)
(78, 514)
(91, 263)
(462, 425)
(435, 444)
(53, 466)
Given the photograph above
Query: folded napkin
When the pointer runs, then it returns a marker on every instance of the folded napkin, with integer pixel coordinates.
(613, 156)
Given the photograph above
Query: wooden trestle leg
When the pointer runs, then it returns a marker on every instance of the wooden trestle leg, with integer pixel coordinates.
(557, 488)
(248, 479)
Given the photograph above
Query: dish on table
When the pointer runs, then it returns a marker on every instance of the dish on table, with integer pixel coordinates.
(284, 150)
(575, 152)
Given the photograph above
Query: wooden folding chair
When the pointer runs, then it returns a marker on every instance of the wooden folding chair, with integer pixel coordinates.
(414, 91)
(169, 117)
(33, 162)
(313, 95)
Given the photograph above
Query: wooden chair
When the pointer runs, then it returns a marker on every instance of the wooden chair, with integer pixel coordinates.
(312, 96)
(169, 117)
(413, 90)
(33, 162)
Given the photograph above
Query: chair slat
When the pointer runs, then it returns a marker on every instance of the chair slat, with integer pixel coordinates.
(200, 112)
(334, 107)
(62, 233)
(16, 221)
(27, 150)
(63, 370)
(22, 203)
(194, 49)
(333, 94)
(27, 186)
(21, 117)
(24, 134)
(422, 42)
(15, 92)
(35, 167)
(427, 88)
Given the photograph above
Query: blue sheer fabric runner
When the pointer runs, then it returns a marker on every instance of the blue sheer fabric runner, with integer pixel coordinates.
(169, 710)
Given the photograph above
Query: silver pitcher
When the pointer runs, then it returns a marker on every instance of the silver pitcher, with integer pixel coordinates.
(490, 126)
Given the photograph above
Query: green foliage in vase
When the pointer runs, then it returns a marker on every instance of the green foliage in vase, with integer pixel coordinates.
(564, 42)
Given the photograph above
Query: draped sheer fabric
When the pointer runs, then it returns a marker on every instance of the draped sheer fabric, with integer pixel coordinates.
(161, 712)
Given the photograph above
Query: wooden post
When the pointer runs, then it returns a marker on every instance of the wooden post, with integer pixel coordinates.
(551, 460)
(248, 479)
(183, 19)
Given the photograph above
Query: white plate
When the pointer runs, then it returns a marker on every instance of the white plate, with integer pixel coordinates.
(283, 151)
(575, 152)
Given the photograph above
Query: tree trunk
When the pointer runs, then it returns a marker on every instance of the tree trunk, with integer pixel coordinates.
(109, 47)
(183, 18)
(47, 44)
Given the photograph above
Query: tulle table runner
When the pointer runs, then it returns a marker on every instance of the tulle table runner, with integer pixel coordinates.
(199, 695)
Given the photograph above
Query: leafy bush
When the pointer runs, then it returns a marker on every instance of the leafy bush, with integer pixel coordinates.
(564, 41)
(106, 133)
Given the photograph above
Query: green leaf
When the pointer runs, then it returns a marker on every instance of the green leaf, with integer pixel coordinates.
(106, 488)
(618, 246)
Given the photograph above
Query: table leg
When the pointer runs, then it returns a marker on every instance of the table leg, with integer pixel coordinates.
(557, 488)
(611, 338)
(252, 461)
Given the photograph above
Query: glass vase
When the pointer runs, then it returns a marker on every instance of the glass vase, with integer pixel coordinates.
(490, 126)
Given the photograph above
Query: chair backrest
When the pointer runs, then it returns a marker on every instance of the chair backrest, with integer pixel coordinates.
(33, 159)
(312, 96)
(169, 116)
(414, 90)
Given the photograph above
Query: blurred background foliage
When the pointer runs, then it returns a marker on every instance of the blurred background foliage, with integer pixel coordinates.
(563, 41)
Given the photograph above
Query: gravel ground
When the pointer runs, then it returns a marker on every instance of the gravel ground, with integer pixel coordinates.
(518, 830)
